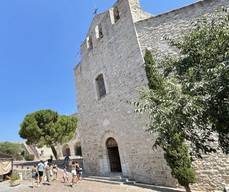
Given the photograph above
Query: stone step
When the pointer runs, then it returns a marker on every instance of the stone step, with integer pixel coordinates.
(159, 188)
(127, 181)
(114, 178)
(103, 180)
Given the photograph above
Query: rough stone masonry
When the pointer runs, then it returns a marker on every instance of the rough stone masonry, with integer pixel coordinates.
(113, 137)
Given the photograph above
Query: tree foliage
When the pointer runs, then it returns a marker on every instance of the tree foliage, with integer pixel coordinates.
(13, 149)
(178, 159)
(203, 72)
(46, 127)
(164, 102)
(29, 157)
(187, 98)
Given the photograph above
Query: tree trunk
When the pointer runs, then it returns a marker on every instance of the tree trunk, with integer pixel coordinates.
(187, 188)
(54, 152)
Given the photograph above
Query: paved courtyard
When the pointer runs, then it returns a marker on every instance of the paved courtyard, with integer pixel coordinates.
(83, 186)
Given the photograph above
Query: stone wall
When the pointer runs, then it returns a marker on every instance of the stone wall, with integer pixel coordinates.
(213, 170)
(152, 31)
(118, 57)
(25, 174)
(25, 168)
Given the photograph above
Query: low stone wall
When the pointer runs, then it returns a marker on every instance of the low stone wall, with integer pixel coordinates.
(25, 174)
(23, 168)
(29, 164)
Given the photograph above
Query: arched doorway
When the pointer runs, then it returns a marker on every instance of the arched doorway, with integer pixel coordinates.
(113, 155)
(66, 150)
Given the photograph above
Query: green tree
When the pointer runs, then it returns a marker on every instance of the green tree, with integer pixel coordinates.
(178, 159)
(203, 72)
(164, 102)
(46, 127)
(13, 149)
(187, 98)
(170, 107)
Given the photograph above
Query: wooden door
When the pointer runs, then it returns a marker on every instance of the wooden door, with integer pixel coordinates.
(113, 155)
(114, 159)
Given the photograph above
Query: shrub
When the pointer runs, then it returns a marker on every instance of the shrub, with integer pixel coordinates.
(14, 177)
(29, 157)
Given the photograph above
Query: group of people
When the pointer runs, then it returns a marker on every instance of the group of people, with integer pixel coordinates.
(76, 172)
(44, 171)
(48, 171)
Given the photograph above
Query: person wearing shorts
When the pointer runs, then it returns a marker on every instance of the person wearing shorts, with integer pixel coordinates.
(55, 171)
(34, 175)
(65, 174)
(40, 168)
(74, 174)
(47, 171)
(79, 171)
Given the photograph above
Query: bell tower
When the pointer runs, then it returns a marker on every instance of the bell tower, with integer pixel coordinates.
(136, 11)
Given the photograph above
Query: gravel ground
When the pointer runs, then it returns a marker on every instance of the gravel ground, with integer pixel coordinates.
(82, 186)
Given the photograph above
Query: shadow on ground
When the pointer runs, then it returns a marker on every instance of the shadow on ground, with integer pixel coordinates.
(156, 188)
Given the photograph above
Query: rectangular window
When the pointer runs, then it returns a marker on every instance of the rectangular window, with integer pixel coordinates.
(114, 15)
(100, 86)
(99, 32)
(89, 42)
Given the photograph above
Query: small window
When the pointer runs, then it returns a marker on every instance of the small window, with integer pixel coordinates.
(89, 43)
(99, 32)
(78, 150)
(116, 14)
(100, 86)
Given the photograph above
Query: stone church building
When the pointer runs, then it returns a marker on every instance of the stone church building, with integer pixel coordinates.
(113, 137)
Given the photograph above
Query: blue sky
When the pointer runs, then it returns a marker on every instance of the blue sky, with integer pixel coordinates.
(39, 47)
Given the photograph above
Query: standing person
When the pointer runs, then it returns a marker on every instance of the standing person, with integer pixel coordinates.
(66, 160)
(50, 163)
(34, 175)
(50, 160)
(79, 172)
(47, 171)
(74, 174)
(40, 168)
(51, 172)
(55, 171)
(65, 174)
